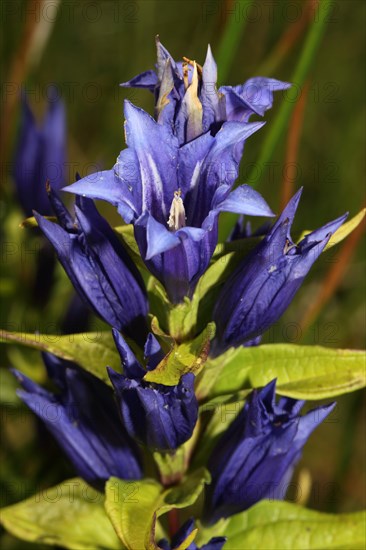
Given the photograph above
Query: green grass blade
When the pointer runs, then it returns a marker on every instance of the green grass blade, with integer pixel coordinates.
(231, 37)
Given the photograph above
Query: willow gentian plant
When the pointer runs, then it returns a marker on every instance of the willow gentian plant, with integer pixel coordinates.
(140, 410)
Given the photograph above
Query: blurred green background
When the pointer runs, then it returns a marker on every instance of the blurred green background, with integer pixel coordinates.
(95, 45)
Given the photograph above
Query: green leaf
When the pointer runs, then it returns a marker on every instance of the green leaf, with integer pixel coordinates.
(217, 378)
(93, 351)
(221, 415)
(130, 506)
(274, 525)
(302, 372)
(185, 320)
(134, 517)
(127, 236)
(70, 515)
(239, 246)
(308, 372)
(182, 358)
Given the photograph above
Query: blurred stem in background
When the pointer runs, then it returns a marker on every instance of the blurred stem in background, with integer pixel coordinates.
(300, 74)
(292, 148)
(231, 36)
(288, 40)
(37, 30)
(278, 124)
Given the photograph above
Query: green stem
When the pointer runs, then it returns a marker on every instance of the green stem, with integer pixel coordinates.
(233, 32)
(300, 74)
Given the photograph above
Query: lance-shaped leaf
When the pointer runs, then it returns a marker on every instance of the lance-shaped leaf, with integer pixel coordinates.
(183, 358)
(69, 515)
(92, 351)
(183, 539)
(302, 372)
(134, 517)
(275, 525)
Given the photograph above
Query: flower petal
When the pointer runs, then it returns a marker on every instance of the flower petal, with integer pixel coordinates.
(158, 238)
(147, 79)
(244, 200)
(220, 166)
(105, 186)
(156, 149)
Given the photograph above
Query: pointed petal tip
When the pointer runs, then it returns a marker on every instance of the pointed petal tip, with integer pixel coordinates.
(291, 207)
(112, 374)
(158, 238)
(119, 340)
(271, 386)
(67, 189)
(18, 375)
(209, 54)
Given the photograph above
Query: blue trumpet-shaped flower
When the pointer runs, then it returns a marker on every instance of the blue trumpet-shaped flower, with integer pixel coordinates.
(178, 171)
(161, 417)
(40, 156)
(187, 98)
(262, 287)
(255, 457)
(97, 265)
(84, 420)
(173, 195)
(181, 536)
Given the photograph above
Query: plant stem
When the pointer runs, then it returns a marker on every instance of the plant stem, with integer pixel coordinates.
(173, 521)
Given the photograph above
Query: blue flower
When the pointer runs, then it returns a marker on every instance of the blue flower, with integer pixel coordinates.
(173, 195)
(161, 417)
(98, 266)
(187, 98)
(262, 287)
(255, 457)
(180, 537)
(40, 156)
(177, 173)
(84, 420)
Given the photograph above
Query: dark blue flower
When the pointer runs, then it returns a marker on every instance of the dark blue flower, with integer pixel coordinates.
(173, 195)
(161, 417)
(84, 420)
(255, 457)
(187, 98)
(262, 287)
(177, 173)
(40, 156)
(98, 266)
(181, 536)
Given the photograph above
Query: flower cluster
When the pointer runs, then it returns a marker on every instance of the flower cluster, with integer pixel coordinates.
(171, 182)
